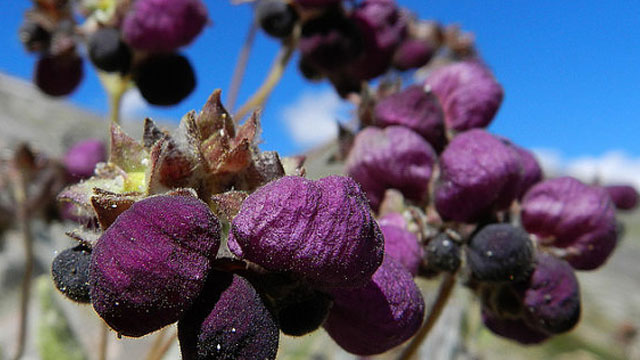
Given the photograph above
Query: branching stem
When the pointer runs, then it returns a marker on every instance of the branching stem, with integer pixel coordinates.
(444, 292)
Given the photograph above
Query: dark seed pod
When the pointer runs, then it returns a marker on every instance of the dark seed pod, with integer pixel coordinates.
(228, 321)
(443, 254)
(165, 79)
(500, 252)
(513, 328)
(108, 52)
(276, 17)
(70, 271)
(304, 314)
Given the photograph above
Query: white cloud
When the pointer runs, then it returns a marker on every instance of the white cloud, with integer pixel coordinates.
(611, 167)
(133, 106)
(311, 118)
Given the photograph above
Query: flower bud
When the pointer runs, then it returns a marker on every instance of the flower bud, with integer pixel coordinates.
(552, 295)
(228, 321)
(513, 328)
(58, 75)
(479, 174)
(317, 3)
(566, 213)
(70, 272)
(383, 28)
(163, 25)
(624, 197)
(403, 246)
(500, 252)
(443, 254)
(321, 231)
(394, 157)
(379, 316)
(416, 109)
(81, 159)
(469, 94)
(531, 170)
(149, 266)
(412, 54)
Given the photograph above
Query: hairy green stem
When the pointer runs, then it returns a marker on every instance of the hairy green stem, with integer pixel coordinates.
(446, 288)
(241, 66)
(275, 74)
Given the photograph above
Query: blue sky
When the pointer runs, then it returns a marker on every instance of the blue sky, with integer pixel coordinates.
(571, 70)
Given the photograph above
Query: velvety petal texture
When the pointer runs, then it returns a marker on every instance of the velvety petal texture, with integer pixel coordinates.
(566, 213)
(163, 25)
(531, 170)
(479, 174)
(81, 159)
(416, 109)
(228, 321)
(403, 246)
(551, 297)
(412, 53)
(469, 94)
(151, 263)
(624, 197)
(379, 316)
(391, 158)
(320, 230)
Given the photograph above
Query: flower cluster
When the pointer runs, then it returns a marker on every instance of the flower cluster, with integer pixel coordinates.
(478, 204)
(201, 228)
(138, 40)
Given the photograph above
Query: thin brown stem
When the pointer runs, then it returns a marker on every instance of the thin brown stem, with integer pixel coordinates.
(241, 66)
(20, 192)
(104, 341)
(115, 86)
(275, 74)
(164, 348)
(446, 288)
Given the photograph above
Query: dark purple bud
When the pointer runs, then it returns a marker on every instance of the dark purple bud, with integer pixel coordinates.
(412, 54)
(391, 158)
(500, 252)
(163, 25)
(566, 213)
(321, 231)
(58, 75)
(513, 328)
(317, 3)
(303, 312)
(552, 296)
(531, 170)
(81, 159)
(479, 174)
(70, 272)
(228, 321)
(151, 263)
(416, 109)
(403, 246)
(328, 42)
(443, 253)
(379, 316)
(383, 28)
(469, 94)
(624, 197)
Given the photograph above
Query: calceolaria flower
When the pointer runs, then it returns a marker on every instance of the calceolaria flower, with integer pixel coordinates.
(321, 231)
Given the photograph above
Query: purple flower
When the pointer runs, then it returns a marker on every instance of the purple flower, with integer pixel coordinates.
(394, 157)
(228, 321)
(379, 316)
(402, 245)
(479, 174)
(551, 297)
(321, 231)
(383, 28)
(81, 159)
(566, 213)
(412, 53)
(469, 94)
(531, 170)
(150, 265)
(416, 109)
(624, 197)
(163, 25)
(58, 75)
